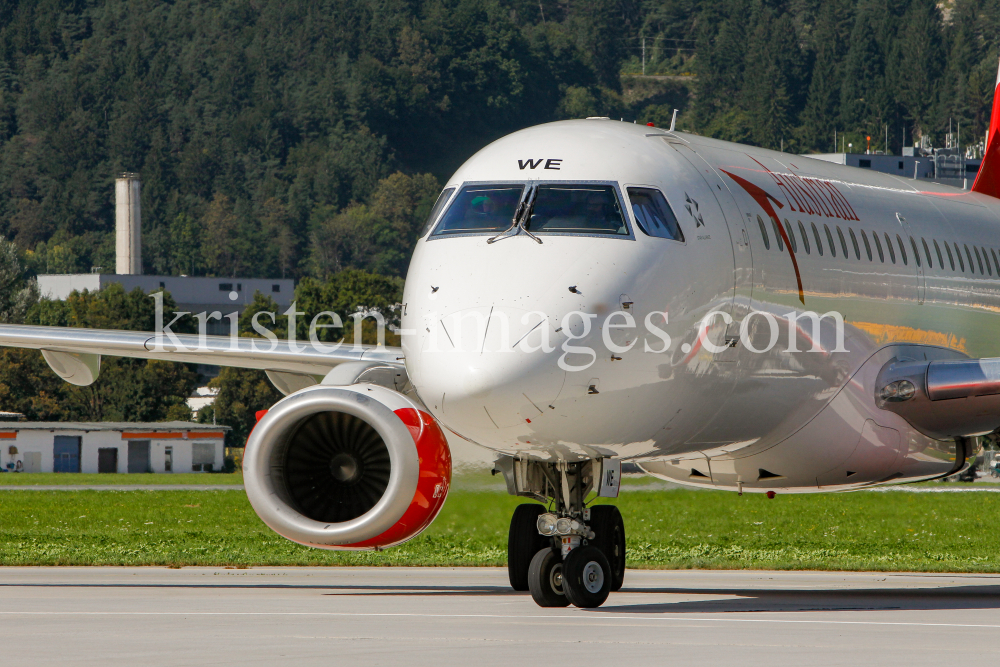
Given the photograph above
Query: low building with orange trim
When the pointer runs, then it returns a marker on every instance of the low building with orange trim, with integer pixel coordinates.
(123, 447)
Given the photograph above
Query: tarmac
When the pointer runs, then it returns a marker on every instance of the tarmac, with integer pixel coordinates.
(469, 616)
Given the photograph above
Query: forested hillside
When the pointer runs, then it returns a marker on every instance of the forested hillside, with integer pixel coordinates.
(794, 72)
(269, 134)
(300, 137)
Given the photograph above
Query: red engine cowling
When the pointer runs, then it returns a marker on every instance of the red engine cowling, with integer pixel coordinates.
(347, 467)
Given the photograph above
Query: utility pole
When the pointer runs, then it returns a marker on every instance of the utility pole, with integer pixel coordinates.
(540, 9)
(887, 138)
(644, 56)
(834, 140)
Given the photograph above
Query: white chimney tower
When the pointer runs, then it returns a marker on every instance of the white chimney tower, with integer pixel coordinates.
(128, 225)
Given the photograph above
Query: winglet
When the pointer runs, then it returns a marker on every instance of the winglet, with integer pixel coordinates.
(988, 179)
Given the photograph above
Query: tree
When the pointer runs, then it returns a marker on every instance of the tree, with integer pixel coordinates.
(17, 294)
(822, 108)
(125, 390)
(720, 63)
(865, 99)
(917, 63)
(378, 237)
(772, 77)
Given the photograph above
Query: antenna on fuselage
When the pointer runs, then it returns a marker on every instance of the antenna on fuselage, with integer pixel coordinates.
(673, 121)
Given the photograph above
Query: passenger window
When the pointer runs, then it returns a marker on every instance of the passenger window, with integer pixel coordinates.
(951, 258)
(819, 243)
(902, 249)
(791, 236)
(961, 262)
(972, 267)
(854, 241)
(979, 261)
(777, 234)
(927, 253)
(995, 262)
(439, 205)
(937, 249)
(763, 233)
(805, 237)
(594, 209)
(829, 238)
(481, 208)
(916, 253)
(878, 246)
(986, 259)
(652, 213)
(888, 244)
(868, 246)
(843, 242)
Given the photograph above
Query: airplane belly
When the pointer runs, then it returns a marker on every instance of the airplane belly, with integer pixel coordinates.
(849, 444)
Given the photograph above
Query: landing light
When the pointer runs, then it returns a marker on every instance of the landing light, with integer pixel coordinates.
(898, 391)
(546, 524)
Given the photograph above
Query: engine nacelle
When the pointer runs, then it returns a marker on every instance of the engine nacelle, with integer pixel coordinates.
(347, 467)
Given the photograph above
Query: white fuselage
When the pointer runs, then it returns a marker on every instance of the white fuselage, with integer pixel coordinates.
(802, 420)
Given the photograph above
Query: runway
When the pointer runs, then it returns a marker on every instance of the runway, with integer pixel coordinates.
(469, 616)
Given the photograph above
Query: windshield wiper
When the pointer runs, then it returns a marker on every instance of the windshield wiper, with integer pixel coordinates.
(521, 217)
(527, 215)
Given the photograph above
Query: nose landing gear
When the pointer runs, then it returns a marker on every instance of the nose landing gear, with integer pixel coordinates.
(572, 555)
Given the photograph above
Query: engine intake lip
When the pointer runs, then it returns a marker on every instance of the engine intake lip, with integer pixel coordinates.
(265, 474)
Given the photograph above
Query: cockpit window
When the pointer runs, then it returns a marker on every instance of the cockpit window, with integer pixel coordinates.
(436, 211)
(654, 215)
(577, 209)
(481, 208)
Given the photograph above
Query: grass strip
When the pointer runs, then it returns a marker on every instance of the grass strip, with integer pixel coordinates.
(666, 529)
(116, 479)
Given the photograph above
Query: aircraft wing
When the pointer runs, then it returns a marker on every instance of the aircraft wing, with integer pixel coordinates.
(943, 398)
(75, 353)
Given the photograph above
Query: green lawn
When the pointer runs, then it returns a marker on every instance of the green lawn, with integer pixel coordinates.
(666, 529)
(114, 479)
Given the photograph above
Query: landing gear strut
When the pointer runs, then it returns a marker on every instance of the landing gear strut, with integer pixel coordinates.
(573, 554)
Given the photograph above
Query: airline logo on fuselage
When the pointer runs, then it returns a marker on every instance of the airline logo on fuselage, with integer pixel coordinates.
(550, 163)
(813, 196)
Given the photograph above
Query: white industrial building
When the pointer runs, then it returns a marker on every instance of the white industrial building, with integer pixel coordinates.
(121, 447)
(191, 294)
(944, 166)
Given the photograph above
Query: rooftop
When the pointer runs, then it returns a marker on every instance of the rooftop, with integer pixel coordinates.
(112, 426)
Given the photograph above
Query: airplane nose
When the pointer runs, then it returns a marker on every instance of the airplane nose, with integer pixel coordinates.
(478, 372)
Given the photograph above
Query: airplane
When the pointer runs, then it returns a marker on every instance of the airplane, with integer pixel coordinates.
(592, 292)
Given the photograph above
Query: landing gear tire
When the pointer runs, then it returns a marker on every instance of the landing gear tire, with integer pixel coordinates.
(609, 530)
(545, 579)
(523, 542)
(586, 577)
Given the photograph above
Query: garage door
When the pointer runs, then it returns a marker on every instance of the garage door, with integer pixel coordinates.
(107, 459)
(138, 456)
(66, 453)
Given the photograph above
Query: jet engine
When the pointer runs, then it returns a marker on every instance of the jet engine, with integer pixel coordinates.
(347, 467)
